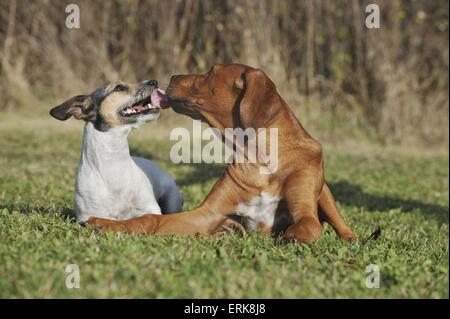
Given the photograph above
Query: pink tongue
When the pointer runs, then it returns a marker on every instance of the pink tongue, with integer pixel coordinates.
(139, 107)
(158, 96)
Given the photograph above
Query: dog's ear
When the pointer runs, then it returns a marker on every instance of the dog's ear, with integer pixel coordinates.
(80, 107)
(257, 103)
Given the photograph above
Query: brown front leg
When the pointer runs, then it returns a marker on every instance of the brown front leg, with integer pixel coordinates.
(205, 220)
(186, 223)
(143, 224)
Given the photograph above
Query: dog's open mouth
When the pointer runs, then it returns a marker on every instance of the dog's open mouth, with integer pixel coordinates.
(143, 107)
(150, 105)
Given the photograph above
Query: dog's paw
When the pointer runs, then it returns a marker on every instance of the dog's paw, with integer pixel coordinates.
(98, 224)
(231, 226)
(348, 236)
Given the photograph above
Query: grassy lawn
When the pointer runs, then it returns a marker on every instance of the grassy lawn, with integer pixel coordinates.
(405, 193)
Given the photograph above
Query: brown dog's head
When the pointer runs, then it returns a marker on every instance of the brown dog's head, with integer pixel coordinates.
(113, 105)
(228, 96)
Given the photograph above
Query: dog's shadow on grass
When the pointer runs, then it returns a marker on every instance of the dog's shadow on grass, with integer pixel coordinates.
(200, 173)
(354, 195)
(344, 192)
(197, 172)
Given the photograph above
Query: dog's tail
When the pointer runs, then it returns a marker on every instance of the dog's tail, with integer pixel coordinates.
(330, 213)
(374, 236)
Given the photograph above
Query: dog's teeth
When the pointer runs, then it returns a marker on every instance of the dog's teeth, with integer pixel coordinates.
(131, 110)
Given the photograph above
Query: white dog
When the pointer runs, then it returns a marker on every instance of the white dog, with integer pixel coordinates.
(110, 183)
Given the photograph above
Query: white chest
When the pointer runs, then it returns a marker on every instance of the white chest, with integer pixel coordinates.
(114, 193)
(260, 210)
(109, 184)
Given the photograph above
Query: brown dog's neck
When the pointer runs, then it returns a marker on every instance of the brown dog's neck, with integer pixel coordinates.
(280, 117)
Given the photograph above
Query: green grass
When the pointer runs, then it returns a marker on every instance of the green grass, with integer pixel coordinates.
(406, 194)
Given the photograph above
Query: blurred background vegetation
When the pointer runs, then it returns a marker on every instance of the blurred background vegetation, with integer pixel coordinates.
(389, 85)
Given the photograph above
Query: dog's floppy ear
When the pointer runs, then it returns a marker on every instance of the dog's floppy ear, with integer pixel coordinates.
(257, 102)
(80, 107)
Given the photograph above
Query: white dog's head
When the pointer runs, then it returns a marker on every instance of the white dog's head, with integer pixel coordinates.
(114, 105)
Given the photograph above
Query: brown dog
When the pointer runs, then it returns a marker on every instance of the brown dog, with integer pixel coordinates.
(294, 198)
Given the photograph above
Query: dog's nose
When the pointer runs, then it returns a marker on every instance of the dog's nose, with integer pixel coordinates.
(151, 83)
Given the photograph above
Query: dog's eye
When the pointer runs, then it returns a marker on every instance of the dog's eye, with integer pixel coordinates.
(120, 88)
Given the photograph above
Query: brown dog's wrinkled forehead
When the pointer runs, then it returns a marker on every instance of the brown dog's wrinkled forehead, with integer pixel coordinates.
(229, 71)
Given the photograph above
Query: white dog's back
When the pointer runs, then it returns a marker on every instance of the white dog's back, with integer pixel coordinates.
(164, 187)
